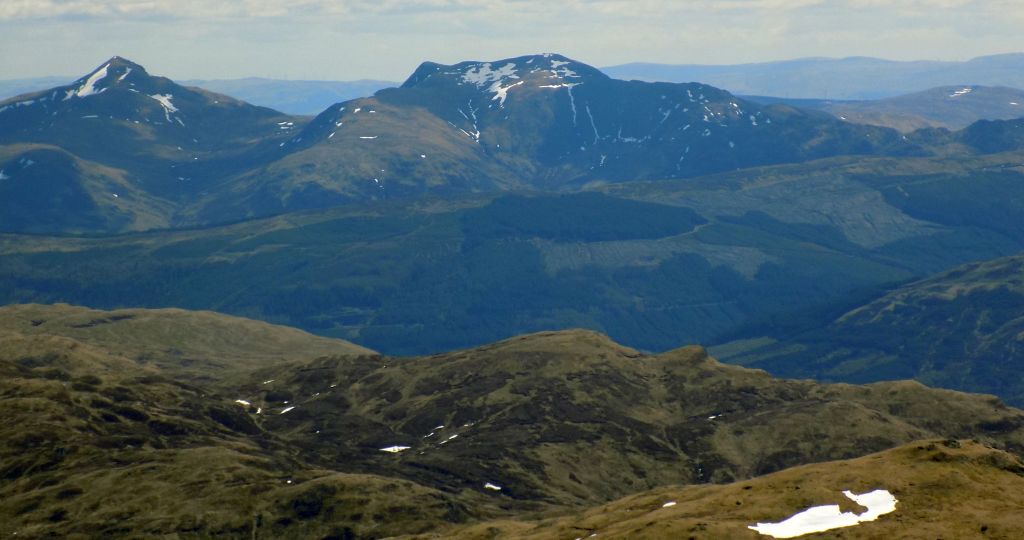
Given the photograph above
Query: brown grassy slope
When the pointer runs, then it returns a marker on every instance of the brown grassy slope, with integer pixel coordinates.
(93, 445)
(949, 490)
(93, 442)
(523, 411)
(201, 345)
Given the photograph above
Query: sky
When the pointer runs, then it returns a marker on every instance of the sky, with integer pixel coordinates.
(387, 39)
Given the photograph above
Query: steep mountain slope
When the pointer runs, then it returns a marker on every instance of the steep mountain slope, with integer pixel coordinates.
(544, 122)
(172, 156)
(943, 490)
(837, 78)
(126, 101)
(288, 96)
(951, 107)
(96, 443)
(623, 130)
(121, 149)
(960, 329)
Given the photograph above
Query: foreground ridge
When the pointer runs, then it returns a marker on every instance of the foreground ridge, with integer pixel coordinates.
(319, 443)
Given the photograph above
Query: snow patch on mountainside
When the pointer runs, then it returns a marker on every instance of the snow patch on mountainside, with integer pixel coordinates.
(17, 104)
(482, 74)
(559, 70)
(495, 79)
(501, 92)
(828, 517)
(88, 88)
(165, 102)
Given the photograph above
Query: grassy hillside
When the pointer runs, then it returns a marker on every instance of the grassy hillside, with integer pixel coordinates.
(194, 346)
(959, 329)
(653, 263)
(517, 414)
(944, 490)
(96, 443)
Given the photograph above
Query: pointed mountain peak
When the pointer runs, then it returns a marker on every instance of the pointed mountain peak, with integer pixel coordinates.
(118, 62)
(114, 66)
(113, 72)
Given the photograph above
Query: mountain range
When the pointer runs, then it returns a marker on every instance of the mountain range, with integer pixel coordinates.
(950, 107)
(288, 96)
(539, 122)
(855, 77)
(496, 275)
(120, 150)
(486, 199)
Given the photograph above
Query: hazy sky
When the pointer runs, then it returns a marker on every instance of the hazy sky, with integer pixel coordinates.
(387, 39)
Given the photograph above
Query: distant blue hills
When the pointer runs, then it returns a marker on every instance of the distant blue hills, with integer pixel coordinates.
(835, 78)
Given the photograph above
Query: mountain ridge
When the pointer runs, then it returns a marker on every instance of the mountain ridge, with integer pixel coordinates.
(972, 308)
(363, 445)
(697, 261)
(533, 122)
(157, 140)
(950, 107)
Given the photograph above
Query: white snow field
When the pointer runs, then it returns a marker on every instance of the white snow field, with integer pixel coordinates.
(828, 517)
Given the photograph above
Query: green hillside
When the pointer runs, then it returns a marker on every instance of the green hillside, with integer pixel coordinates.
(943, 489)
(708, 260)
(97, 441)
(959, 329)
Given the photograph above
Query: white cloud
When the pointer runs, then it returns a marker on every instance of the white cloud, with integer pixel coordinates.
(19, 9)
(349, 39)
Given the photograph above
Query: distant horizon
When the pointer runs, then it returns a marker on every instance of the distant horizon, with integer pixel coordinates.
(387, 39)
(86, 71)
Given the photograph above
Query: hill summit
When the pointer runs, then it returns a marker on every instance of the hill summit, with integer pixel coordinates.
(172, 155)
(109, 433)
(121, 149)
(552, 123)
